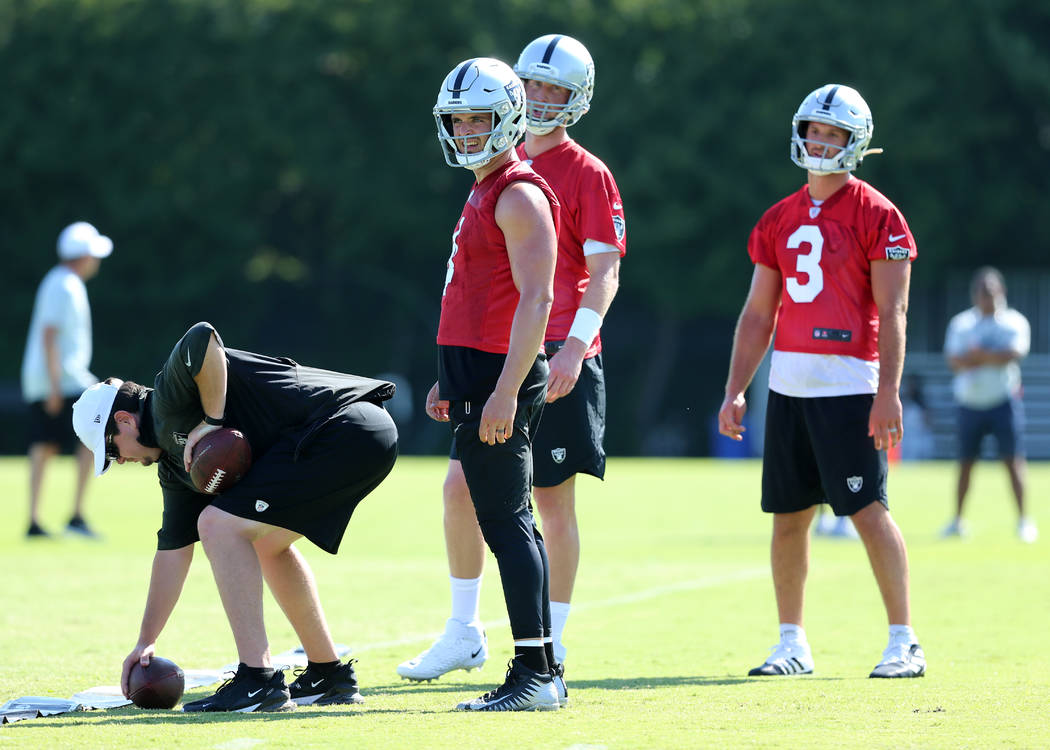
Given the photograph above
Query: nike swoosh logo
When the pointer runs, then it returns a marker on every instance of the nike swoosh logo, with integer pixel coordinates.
(315, 684)
(188, 360)
(892, 238)
(474, 655)
(252, 695)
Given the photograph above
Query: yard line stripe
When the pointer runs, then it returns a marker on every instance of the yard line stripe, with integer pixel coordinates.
(706, 582)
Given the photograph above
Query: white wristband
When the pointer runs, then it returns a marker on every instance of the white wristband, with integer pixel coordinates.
(585, 325)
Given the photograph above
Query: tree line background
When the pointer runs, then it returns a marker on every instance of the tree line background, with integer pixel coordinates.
(272, 166)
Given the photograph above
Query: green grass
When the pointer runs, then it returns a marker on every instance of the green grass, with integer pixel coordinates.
(673, 605)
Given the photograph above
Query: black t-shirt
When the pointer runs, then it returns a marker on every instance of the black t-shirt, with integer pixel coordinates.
(266, 397)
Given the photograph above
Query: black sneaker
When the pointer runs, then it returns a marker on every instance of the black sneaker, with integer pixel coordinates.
(36, 531)
(78, 525)
(311, 688)
(558, 675)
(244, 693)
(524, 690)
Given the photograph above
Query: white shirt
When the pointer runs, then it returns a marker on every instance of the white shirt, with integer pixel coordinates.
(988, 385)
(806, 375)
(61, 302)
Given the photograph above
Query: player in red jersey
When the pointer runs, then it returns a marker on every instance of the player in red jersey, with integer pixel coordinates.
(558, 74)
(492, 373)
(832, 267)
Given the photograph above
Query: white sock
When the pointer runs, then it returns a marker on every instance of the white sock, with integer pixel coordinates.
(902, 634)
(559, 615)
(466, 598)
(789, 631)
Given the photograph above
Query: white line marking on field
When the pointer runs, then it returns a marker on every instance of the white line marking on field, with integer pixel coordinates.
(707, 582)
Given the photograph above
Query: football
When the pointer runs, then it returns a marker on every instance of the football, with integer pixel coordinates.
(160, 685)
(220, 459)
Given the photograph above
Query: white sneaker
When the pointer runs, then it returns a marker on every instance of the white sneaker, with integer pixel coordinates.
(793, 657)
(901, 660)
(459, 647)
(1027, 531)
(956, 527)
(844, 528)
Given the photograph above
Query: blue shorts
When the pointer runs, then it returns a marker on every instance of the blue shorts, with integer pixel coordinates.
(1005, 422)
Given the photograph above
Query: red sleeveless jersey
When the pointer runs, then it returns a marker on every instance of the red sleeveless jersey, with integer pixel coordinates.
(591, 209)
(824, 255)
(479, 301)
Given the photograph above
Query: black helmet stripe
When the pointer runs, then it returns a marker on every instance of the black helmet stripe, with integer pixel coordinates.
(550, 48)
(458, 84)
(830, 98)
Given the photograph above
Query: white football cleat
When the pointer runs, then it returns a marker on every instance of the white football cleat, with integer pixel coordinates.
(792, 657)
(901, 660)
(459, 647)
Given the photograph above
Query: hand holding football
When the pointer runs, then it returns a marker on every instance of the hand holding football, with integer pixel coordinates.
(158, 685)
(220, 459)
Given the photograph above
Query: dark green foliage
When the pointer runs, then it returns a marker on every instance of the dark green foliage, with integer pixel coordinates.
(271, 166)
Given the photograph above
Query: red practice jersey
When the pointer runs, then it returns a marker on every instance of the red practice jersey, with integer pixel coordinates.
(591, 209)
(479, 301)
(824, 255)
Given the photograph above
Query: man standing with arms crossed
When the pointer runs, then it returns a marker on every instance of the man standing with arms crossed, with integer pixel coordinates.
(558, 74)
(832, 267)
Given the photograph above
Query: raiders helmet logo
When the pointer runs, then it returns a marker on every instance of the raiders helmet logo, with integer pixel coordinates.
(854, 483)
(558, 454)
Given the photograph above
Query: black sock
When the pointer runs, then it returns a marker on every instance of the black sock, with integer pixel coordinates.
(260, 673)
(324, 668)
(548, 650)
(532, 657)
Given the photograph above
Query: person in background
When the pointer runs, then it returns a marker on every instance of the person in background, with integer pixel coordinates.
(984, 346)
(55, 366)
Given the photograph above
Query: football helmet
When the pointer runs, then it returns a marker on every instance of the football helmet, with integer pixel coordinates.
(843, 107)
(481, 84)
(565, 62)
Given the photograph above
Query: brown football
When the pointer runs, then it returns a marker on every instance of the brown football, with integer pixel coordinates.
(159, 685)
(220, 459)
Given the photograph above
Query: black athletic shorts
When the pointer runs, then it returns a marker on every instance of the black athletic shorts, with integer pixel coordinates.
(499, 476)
(818, 450)
(570, 441)
(312, 485)
(44, 428)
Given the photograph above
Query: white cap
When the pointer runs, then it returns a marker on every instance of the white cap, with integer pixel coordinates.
(80, 239)
(90, 415)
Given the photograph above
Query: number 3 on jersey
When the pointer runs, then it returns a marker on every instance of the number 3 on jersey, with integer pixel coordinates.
(450, 267)
(807, 263)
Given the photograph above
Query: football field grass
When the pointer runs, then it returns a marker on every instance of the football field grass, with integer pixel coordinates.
(673, 605)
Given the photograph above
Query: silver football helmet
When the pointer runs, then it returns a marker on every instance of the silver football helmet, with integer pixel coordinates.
(843, 107)
(480, 84)
(565, 62)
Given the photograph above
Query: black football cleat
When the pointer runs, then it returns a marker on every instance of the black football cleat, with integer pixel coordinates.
(244, 693)
(312, 689)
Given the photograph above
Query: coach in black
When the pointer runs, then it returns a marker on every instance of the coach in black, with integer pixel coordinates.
(321, 442)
